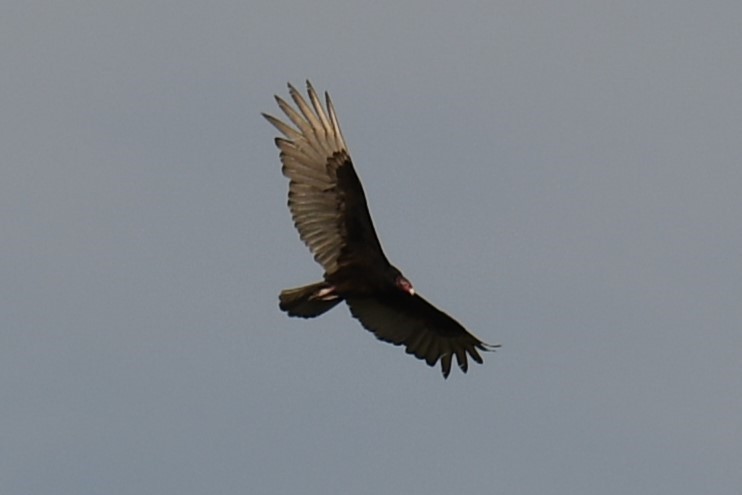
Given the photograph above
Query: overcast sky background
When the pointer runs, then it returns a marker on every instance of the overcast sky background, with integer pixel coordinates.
(565, 178)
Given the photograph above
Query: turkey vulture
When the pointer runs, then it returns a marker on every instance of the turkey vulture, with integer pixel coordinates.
(329, 210)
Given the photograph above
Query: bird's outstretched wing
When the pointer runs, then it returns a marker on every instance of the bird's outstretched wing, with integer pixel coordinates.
(326, 198)
(425, 331)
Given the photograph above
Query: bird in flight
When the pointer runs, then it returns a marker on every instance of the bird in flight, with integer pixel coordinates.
(329, 210)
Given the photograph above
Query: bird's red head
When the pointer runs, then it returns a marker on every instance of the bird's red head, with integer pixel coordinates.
(405, 285)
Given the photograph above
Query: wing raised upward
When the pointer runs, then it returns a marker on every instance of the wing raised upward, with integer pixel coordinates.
(426, 332)
(326, 199)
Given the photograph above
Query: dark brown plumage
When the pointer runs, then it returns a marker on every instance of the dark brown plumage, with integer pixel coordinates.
(329, 209)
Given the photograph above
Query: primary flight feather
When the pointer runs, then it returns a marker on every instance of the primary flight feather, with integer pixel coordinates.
(329, 210)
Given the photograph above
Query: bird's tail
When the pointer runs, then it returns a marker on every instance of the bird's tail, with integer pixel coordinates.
(308, 301)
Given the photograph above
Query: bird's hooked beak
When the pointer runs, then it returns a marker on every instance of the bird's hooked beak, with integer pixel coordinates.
(405, 285)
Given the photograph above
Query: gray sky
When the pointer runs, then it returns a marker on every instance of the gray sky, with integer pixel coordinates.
(562, 177)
